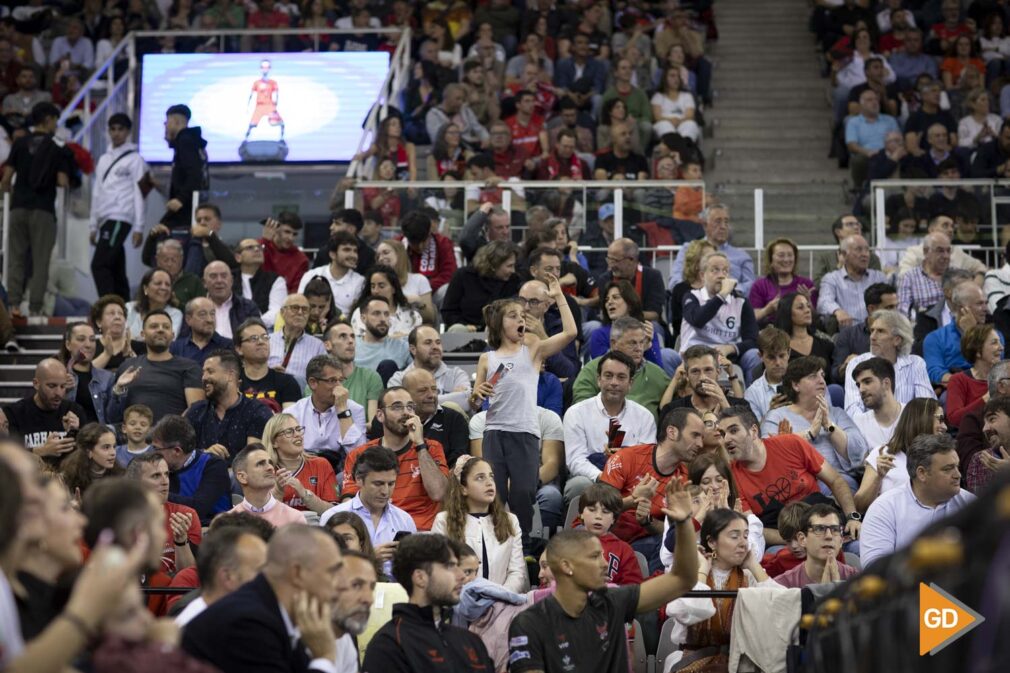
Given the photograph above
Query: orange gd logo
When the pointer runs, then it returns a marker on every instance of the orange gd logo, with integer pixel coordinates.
(942, 619)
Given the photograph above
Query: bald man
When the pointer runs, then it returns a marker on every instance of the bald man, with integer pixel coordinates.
(623, 264)
(203, 338)
(230, 309)
(42, 422)
(586, 615)
(254, 627)
(538, 304)
(445, 425)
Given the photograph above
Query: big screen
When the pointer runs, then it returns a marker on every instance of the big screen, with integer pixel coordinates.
(263, 107)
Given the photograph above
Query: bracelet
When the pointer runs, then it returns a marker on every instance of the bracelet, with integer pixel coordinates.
(78, 624)
(180, 544)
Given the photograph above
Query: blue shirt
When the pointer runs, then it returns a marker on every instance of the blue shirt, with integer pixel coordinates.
(392, 521)
(907, 67)
(869, 134)
(244, 419)
(741, 267)
(185, 347)
(896, 517)
(369, 355)
(942, 352)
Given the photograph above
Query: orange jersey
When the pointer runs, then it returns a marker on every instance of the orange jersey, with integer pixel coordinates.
(623, 471)
(408, 494)
(317, 476)
(688, 202)
(264, 92)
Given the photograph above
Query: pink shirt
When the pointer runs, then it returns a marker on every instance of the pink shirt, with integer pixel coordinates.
(797, 577)
(275, 512)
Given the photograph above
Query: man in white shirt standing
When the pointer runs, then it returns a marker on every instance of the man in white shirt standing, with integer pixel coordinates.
(117, 208)
(596, 427)
(875, 379)
(345, 282)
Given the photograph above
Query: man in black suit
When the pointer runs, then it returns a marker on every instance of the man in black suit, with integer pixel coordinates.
(281, 620)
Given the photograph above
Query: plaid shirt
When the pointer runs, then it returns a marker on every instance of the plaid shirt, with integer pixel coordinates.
(917, 292)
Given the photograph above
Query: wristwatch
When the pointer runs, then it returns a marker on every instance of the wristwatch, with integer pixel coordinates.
(855, 516)
(830, 429)
(346, 413)
(421, 447)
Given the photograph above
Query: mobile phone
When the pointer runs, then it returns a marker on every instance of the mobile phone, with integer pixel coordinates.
(498, 373)
(400, 534)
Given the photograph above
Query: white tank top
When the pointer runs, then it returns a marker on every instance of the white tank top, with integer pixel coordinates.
(513, 405)
(723, 329)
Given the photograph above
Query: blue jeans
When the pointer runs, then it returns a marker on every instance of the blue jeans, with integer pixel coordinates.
(551, 504)
(748, 361)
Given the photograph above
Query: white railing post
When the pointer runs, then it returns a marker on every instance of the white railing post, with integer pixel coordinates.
(61, 222)
(618, 213)
(880, 216)
(506, 201)
(131, 76)
(7, 238)
(349, 198)
(759, 219)
(196, 204)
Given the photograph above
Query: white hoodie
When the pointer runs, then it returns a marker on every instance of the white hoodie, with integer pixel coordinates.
(115, 193)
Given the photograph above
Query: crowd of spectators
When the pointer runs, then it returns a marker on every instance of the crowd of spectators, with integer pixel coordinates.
(283, 432)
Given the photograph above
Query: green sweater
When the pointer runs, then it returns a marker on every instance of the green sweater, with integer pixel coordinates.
(637, 103)
(647, 388)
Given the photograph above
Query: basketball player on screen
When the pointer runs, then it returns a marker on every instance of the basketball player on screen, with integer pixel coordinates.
(267, 93)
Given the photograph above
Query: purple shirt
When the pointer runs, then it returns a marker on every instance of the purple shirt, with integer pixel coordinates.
(797, 578)
(765, 289)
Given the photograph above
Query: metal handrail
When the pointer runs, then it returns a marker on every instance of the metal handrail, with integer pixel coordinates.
(86, 88)
(212, 32)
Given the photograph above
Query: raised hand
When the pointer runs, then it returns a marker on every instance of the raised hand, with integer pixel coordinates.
(71, 421)
(646, 488)
(678, 502)
(180, 523)
(128, 377)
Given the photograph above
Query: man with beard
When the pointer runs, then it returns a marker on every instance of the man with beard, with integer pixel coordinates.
(774, 471)
(875, 379)
(226, 421)
(641, 474)
(165, 383)
(444, 425)
(266, 289)
(203, 337)
(425, 345)
(189, 169)
(256, 475)
(350, 614)
(375, 347)
(346, 283)
(362, 383)
(417, 638)
(291, 348)
(275, 389)
(43, 421)
(423, 473)
(982, 465)
(701, 364)
(332, 420)
(820, 537)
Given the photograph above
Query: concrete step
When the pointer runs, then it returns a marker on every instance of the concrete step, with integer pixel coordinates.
(50, 342)
(25, 357)
(15, 390)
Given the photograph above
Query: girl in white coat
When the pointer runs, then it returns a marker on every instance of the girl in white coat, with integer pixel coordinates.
(472, 513)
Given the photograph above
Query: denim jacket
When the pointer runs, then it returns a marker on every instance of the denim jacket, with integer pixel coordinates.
(100, 387)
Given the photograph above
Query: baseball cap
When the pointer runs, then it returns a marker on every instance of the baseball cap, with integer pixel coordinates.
(606, 211)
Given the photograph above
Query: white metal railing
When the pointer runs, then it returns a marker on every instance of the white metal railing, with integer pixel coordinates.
(6, 238)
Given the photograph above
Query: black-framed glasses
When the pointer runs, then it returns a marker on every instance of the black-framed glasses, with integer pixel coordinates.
(290, 432)
(820, 529)
(257, 337)
(297, 309)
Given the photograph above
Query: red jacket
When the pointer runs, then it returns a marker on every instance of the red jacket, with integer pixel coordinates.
(291, 263)
(437, 262)
(624, 568)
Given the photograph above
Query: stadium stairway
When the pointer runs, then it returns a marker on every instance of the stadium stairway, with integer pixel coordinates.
(37, 340)
(771, 123)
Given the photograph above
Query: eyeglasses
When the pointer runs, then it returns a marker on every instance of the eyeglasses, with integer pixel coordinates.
(251, 246)
(165, 448)
(256, 337)
(819, 529)
(290, 432)
(333, 380)
(297, 309)
(534, 303)
(400, 407)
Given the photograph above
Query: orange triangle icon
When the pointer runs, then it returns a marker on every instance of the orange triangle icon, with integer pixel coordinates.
(942, 619)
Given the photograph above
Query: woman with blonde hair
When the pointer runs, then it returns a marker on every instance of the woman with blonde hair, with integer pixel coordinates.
(693, 254)
(473, 513)
(304, 482)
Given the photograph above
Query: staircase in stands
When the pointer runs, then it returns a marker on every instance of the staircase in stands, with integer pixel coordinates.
(37, 341)
(771, 123)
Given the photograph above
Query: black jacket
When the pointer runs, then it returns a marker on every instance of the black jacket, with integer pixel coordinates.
(411, 643)
(925, 322)
(469, 292)
(261, 282)
(190, 173)
(245, 633)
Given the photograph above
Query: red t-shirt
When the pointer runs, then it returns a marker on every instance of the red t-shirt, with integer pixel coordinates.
(291, 263)
(187, 578)
(789, 474)
(316, 475)
(195, 534)
(623, 565)
(507, 164)
(623, 471)
(526, 139)
(408, 493)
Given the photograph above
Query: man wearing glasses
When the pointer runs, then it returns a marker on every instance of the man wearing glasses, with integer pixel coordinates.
(537, 303)
(332, 420)
(203, 338)
(197, 479)
(622, 264)
(423, 472)
(820, 536)
(290, 347)
(266, 289)
(275, 389)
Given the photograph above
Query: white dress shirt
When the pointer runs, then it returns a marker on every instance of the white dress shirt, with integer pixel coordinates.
(222, 319)
(911, 381)
(587, 426)
(322, 430)
(306, 348)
